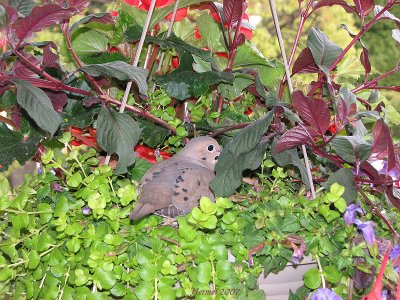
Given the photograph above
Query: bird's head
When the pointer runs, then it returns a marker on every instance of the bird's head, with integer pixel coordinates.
(203, 151)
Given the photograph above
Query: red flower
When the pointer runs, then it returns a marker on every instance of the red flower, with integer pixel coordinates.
(83, 137)
(149, 154)
(114, 13)
(145, 5)
(332, 128)
(113, 50)
(175, 62)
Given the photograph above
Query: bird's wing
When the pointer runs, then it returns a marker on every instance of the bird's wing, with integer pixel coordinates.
(173, 190)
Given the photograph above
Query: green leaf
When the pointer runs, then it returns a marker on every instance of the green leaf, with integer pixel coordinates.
(186, 84)
(44, 242)
(74, 180)
(312, 279)
(332, 274)
(224, 269)
(248, 55)
(20, 221)
(352, 148)
(207, 206)
(210, 32)
(336, 189)
(244, 152)
(204, 272)
(16, 146)
(345, 178)
(153, 135)
(140, 168)
(118, 133)
(34, 259)
(86, 42)
(105, 57)
(101, 17)
(7, 99)
(121, 71)
(76, 114)
(104, 280)
(24, 7)
(38, 106)
(45, 217)
(341, 205)
(232, 91)
(73, 245)
(148, 272)
(322, 49)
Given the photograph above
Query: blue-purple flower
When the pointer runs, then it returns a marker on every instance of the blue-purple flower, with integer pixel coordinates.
(86, 210)
(367, 229)
(298, 253)
(394, 255)
(325, 294)
(56, 187)
(350, 213)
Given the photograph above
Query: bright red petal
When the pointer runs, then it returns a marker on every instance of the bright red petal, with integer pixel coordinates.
(180, 15)
(196, 33)
(132, 2)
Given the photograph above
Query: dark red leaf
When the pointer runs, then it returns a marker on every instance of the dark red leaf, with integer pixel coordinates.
(348, 8)
(342, 111)
(240, 39)
(233, 10)
(49, 58)
(365, 61)
(304, 63)
(313, 111)
(58, 99)
(296, 136)
(21, 69)
(382, 147)
(364, 7)
(89, 101)
(12, 14)
(40, 18)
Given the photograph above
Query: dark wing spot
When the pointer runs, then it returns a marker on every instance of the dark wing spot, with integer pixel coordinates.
(198, 182)
(184, 190)
(203, 158)
(156, 173)
(176, 186)
(179, 179)
(176, 194)
(185, 198)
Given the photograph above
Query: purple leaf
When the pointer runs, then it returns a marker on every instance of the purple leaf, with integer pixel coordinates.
(364, 7)
(348, 8)
(296, 136)
(312, 110)
(365, 61)
(21, 69)
(305, 63)
(233, 10)
(49, 58)
(383, 144)
(89, 101)
(12, 14)
(40, 18)
(58, 99)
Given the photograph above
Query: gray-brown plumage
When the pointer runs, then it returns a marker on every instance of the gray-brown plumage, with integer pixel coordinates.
(173, 187)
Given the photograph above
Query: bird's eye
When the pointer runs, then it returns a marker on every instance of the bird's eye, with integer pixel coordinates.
(210, 148)
(216, 158)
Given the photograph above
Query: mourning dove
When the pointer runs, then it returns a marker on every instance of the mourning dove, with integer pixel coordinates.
(173, 187)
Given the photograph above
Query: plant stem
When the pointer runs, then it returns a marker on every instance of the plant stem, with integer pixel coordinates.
(320, 271)
(372, 83)
(27, 212)
(289, 81)
(357, 37)
(7, 121)
(140, 112)
(229, 128)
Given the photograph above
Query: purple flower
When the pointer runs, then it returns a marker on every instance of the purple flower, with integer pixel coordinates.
(56, 187)
(86, 210)
(39, 171)
(298, 253)
(395, 252)
(367, 229)
(350, 213)
(325, 294)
